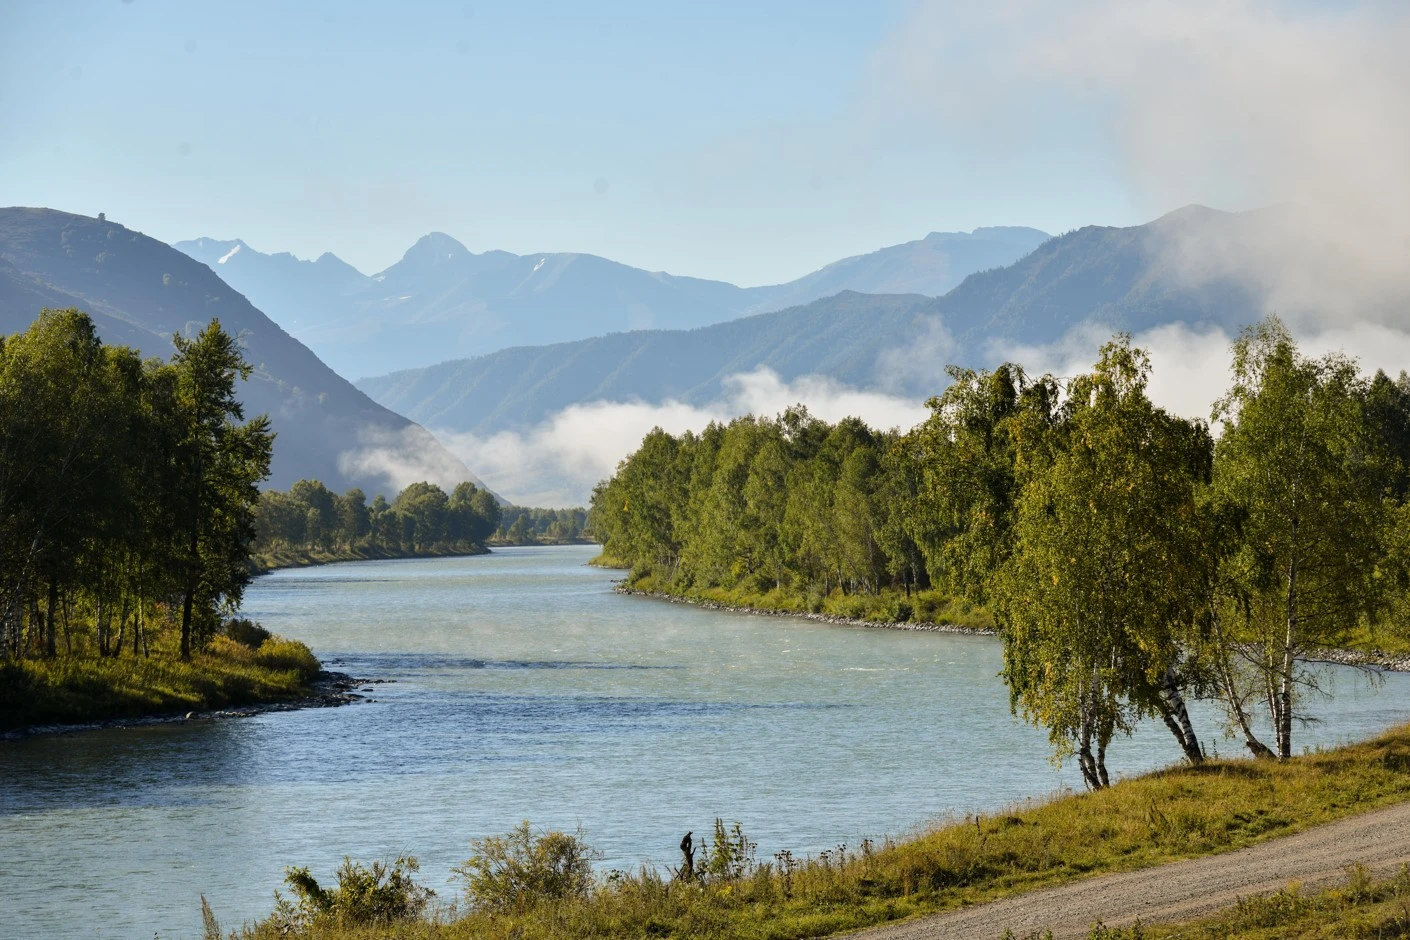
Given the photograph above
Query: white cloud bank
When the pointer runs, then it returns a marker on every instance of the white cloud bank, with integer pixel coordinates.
(558, 462)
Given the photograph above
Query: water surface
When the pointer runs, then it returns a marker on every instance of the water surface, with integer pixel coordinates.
(525, 689)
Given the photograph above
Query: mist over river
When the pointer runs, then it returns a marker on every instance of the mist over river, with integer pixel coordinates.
(524, 688)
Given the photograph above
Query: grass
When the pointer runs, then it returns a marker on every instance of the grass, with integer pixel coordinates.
(76, 689)
(1179, 813)
(1360, 908)
(306, 558)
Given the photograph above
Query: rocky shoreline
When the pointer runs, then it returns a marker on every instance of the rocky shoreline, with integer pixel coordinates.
(916, 626)
(1374, 659)
(327, 690)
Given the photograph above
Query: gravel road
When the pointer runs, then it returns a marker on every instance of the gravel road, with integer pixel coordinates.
(1179, 891)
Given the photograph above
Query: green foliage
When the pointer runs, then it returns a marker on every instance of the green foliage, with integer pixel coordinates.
(83, 688)
(246, 632)
(1095, 593)
(520, 525)
(1129, 563)
(520, 869)
(366, 896)
(1306, 467)
(127, 490)
(312, 522)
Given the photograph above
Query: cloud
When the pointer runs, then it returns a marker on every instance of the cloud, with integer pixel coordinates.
(1235, 103)
(558, 462)
(1190, 368)
(403, 456)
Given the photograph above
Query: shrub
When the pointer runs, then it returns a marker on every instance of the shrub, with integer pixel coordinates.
(519, 869)
(730, 856)
(364, 895)
(281, 654)
(246, 632)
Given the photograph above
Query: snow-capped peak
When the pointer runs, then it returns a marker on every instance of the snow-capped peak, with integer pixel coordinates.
(229, 254)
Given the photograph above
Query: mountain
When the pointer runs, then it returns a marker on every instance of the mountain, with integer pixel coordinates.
(140, 292)
(841, 336)
(312, 291)
(442, 300)
(932, 266)
(1120, 278)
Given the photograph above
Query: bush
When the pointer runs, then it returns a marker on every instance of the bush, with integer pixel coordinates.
(287, 655)
(246, 632)
(364, 896)
(519, 869)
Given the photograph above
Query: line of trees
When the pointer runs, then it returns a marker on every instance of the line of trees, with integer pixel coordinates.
(523, 525)
(1131, 561)
(127, 489)
(422, 517)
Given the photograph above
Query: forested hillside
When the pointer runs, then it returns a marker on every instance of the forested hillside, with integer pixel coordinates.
(142, 293)
(1130, 562)
(442, 301)
(1120, 278)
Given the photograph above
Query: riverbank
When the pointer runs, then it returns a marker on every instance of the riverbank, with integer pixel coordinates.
(1368, 656)
(92, 691)
(326, 690)
(266, 562)
(1134, 826)
(921, 626)
(929, 611)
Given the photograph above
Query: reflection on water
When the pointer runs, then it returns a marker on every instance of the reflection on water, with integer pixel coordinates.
(523, 688)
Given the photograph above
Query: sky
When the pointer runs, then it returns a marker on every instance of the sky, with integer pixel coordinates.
(751, 142)
(742, 141)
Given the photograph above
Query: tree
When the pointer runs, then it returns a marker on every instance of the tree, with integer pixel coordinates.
(1299, 468)
(221, 464)
(1098, 598)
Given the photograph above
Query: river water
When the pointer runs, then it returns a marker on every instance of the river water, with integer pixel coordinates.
(525, 689)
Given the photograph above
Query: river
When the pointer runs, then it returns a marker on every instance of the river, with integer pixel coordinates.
(524, 688)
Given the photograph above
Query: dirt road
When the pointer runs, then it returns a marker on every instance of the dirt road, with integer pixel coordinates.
(1179, 891)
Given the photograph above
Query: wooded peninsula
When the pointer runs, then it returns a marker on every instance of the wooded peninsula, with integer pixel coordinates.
(131, 521)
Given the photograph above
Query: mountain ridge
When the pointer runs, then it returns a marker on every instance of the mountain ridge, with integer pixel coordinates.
(140, 291)
(1120, 278)
(441, 300)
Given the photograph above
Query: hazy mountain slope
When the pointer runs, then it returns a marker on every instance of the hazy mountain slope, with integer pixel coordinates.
(441, 300)
(1123, 278)
(141, 291)
(1120, 278)
(840, 336)
(309, 291)
(933, 265)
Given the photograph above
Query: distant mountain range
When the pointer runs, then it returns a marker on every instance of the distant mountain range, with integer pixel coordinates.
(140, 292)
(1120, 278)
(442, 301)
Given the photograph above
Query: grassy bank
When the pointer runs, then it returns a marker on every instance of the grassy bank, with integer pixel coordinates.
(887, 607)
(305, 558)
(1361, 908)
(1160, 817)
(78, 689)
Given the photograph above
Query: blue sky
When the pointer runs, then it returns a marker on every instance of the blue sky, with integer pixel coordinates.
(744, 141)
